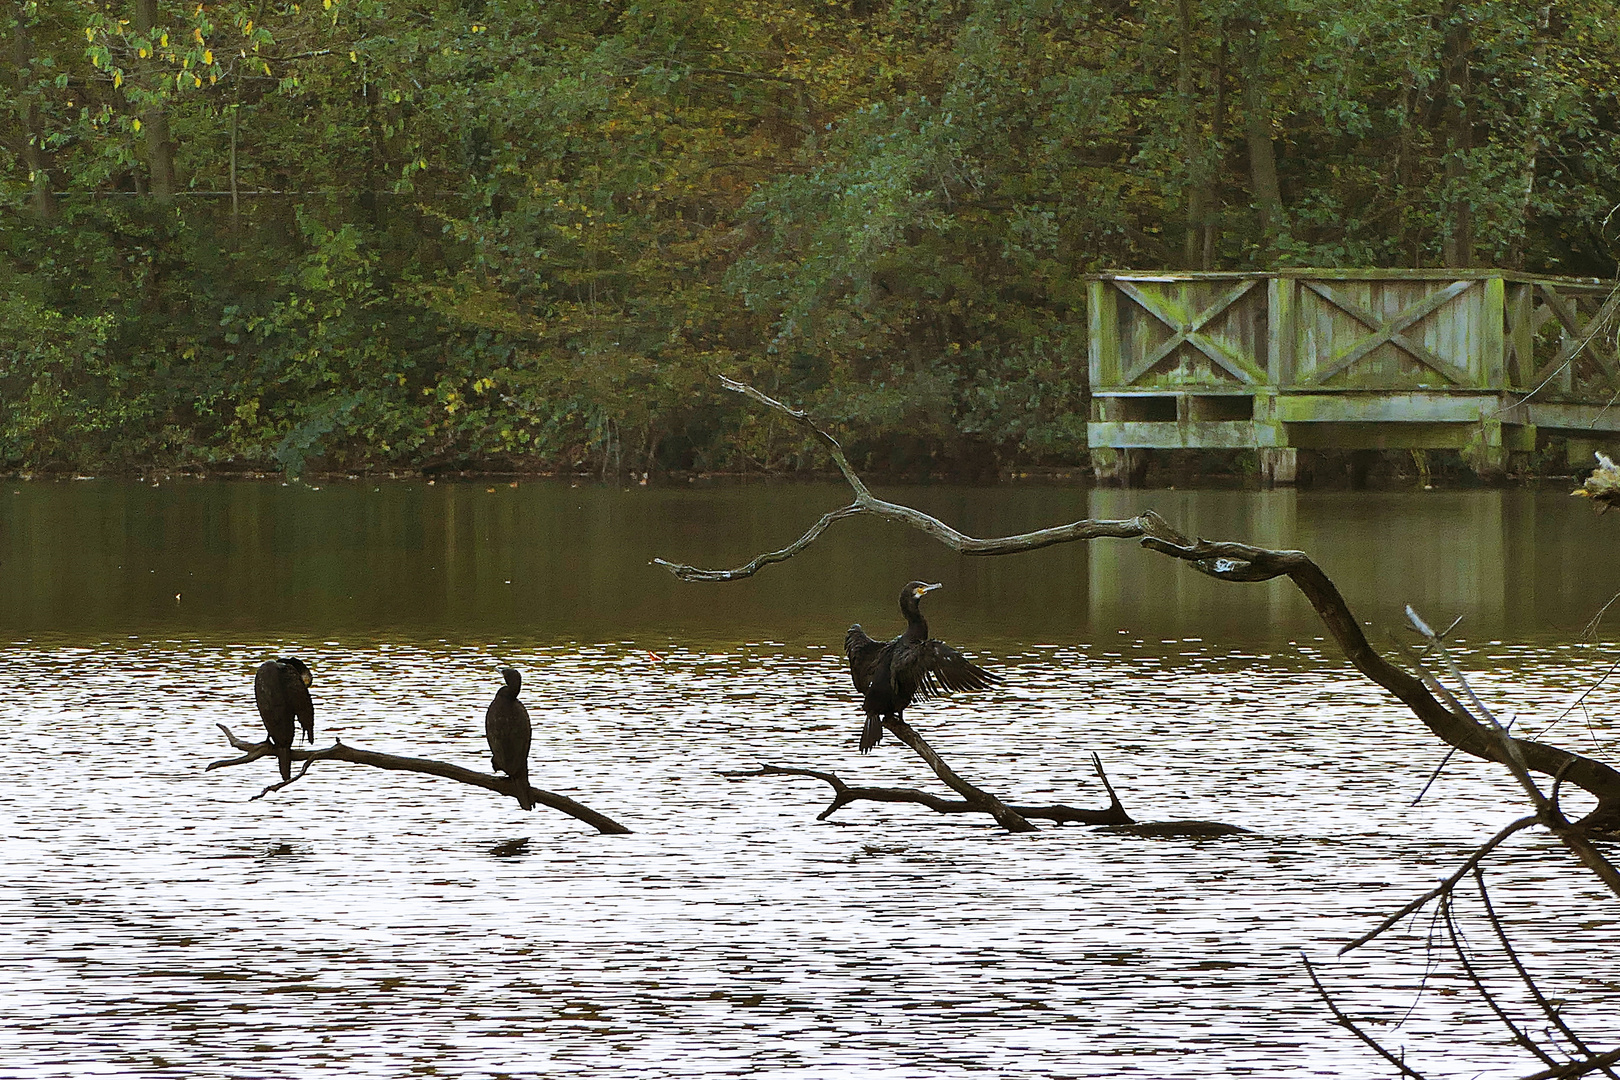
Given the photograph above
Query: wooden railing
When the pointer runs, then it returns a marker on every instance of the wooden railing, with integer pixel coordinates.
(1289, 358)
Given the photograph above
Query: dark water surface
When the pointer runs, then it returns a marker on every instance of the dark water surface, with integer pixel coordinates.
(363, 923)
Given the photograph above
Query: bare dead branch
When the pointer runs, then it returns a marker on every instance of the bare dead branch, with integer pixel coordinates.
(1149, 524)
(1578, 1068)
(1447, 885)
(1454, 932)
(845, 793)
(693, 573)
(1511, 754)
(501, 785)
(1005, 816)
(1548, 1009)
(1515, 759)
(1350, 1025)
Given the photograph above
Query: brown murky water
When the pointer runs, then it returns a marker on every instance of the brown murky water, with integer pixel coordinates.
(158, 922)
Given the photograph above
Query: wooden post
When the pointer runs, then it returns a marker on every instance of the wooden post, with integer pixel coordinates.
(1103, 324)
(1279, 466)
(1485, 451)
(1280, 296)
(1521, 332)
(1493, 343)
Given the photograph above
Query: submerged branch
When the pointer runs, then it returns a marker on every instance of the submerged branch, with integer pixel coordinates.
(501, 785)
(845, 793)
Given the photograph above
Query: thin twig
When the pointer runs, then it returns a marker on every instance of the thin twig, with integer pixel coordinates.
(1512, 755)
(1445, 886)
(1457, 946)
(1350, 1025)
(1547, 1007)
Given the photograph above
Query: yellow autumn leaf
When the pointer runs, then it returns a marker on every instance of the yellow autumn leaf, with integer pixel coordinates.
(141, 52)
(89, 33)
(136, 124)
(164, 40)
(208, 56)
(353, 59)
(118, 79)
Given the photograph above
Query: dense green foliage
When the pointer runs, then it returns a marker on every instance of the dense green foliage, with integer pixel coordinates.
(489, 233)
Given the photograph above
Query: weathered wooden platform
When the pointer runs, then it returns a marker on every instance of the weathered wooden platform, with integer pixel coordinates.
(1482, 361)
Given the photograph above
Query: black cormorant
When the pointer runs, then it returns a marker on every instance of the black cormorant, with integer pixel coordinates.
(281, 688)
(506, 726)
(892, 673)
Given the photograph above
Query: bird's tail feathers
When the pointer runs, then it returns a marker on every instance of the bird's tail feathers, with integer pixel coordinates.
(524, 799)
(872, 733)
(284, 759)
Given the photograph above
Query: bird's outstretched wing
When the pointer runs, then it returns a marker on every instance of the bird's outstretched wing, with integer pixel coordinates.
(945, 669)
(863, 655)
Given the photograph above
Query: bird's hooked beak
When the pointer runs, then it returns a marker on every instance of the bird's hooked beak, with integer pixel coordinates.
(924, 590)
(308, 677)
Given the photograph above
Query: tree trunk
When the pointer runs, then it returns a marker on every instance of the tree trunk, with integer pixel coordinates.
(33, 130)
(1535, 81)
(1263, 183)
(1458, 126)
(1217, 127)
(1192, 157)
(155, 118)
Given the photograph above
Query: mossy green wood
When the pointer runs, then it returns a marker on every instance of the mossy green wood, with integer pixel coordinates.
(1429, 355)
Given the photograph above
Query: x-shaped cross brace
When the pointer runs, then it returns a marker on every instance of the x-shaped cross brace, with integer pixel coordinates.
(1579, 338)
(1189, 332)
(1392, 331)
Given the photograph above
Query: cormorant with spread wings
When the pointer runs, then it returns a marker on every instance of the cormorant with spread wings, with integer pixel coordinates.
(891, 674)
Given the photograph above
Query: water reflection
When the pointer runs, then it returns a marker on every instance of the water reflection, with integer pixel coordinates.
(549, 562)
(372, 923)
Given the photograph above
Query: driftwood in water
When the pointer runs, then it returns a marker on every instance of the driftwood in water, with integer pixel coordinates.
(1225, 561)
(501, 785)
(844, 794)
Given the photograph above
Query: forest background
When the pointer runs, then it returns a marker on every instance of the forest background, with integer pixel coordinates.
(448, 234)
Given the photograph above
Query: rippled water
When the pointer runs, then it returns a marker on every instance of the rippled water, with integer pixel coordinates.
(369, 923)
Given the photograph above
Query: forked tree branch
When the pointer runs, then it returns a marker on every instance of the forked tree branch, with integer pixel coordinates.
(1235, 562)
(1005, 816)
(844, 794)
(1512, 755)
(501, 785)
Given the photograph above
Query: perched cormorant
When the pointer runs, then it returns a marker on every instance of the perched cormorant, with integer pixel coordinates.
(506, 726)
(281, 688)
(892, 673)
